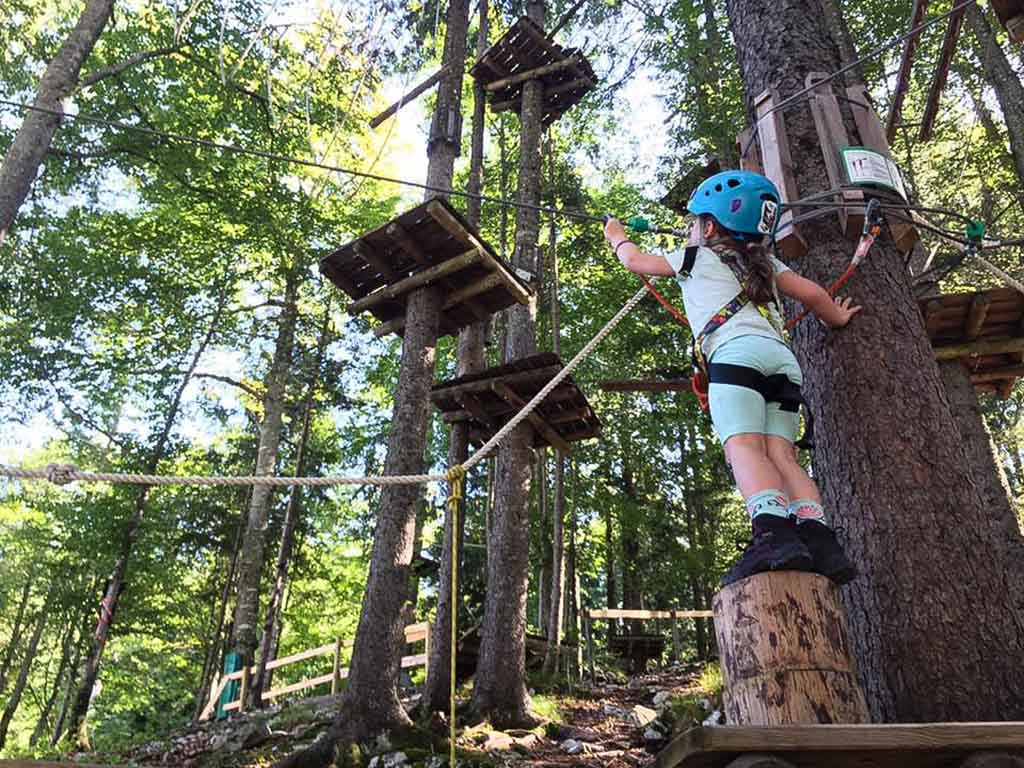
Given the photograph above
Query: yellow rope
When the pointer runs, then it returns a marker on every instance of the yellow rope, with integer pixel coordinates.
(457, 480)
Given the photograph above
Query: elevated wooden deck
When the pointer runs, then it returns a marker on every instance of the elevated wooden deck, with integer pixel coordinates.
(489, 399)
(924, 745)
(430, 244)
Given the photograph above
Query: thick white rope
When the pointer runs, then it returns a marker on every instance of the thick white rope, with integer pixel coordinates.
(61, 474)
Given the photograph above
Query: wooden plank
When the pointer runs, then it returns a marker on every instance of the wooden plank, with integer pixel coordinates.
(549, 433)
(574, 414)
(869, 127)
(400, 236)
(371, 257)
(312, 653)
(778, 166)
(472, 404)
(906, 63)
(998, 374)
(832, 137)
(455, 298)
(645, 385)
(218, 689)
(981, 347)
(427, 276)
(544, 374)
(441, 215)
(551, 48)
(549, 93)
(751, 159)
(976, 316)
(931, 109)
(410, 96)
(613, 613)
(419, 660)
(522, 77)
(302, 685)
(496, 411)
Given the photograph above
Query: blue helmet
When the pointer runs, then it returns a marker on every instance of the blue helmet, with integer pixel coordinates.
(742, 202)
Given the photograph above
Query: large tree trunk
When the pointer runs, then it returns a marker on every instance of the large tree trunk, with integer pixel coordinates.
(500, 688)
(1004, 81)
(115, 585)
(26, 666)
(251, 558)
(272, 621)
(31, 143)
(933, 601)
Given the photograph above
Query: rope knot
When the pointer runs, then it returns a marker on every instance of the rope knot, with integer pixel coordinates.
(456, 479)
(61, 474)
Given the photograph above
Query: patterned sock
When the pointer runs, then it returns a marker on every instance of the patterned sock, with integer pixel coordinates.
(768, 502)
(807, 510)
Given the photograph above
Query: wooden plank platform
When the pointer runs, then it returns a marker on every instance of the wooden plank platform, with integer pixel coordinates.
(1011, 16)
(430, 244)
(567, 75)
(984, 329)
(924, 745)
(489, 399)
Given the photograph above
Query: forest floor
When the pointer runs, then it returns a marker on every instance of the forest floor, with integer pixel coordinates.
(614, 723)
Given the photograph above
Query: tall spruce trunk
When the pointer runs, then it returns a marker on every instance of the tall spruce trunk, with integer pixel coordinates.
(244, 636)
(933, 599)
(471, 359)
(115, 585)
(26, 666)
(31, 143)
(1004, 81)
(273, 618)
(500, 691)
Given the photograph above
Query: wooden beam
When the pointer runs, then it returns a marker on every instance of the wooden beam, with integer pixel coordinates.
(562, 417)
(778, 166)
(522, 77)
(931, 109)
(505, 392)
(975, 348)
(443, 217)
(410, 246)
(552, 48)
(906, 64)
(472, 404)
(544, 374)
(457, 297)
(371, 257)
(976, 315)
(393, 291)
(645, 385)
(748, 151)
(561, 394)
(613, 613)
(558, 90)
(998, 374)
(411, 95)
(832, 136)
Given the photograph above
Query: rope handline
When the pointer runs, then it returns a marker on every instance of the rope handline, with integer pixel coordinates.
(457, 480)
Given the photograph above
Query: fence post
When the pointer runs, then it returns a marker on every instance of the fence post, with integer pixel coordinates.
(336, 680)
(675, 634)
(243, 696)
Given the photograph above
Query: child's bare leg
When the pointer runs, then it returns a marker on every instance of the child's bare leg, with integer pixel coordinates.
(751, 466)
(795, 480)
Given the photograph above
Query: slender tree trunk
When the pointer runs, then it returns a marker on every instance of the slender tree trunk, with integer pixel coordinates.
(12, 644)
(500, 689)
(69, 689)
(543, 506)
(611, 590)
(31, 143)
(65, 656)
(108, 605)
(272, 622)
(903, 489)
(26, 666)
(251, 559)
(1004, 81)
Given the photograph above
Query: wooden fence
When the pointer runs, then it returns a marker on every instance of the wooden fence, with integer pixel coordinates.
(414, 633)
(613, 614)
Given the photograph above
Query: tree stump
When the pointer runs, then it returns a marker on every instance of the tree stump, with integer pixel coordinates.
(785, 652)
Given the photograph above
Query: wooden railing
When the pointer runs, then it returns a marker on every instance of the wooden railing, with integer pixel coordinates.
(414, 633)
(612, 614)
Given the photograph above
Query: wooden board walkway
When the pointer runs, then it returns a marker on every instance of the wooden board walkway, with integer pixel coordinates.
(924, 745)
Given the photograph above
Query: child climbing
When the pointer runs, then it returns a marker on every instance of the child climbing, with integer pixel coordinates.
(730, 285)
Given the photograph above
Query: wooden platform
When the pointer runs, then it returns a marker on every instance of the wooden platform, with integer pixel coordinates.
(565, 72)
(432, 243)
(985, 330)
(1011, 11)
(489, 399)
(926, 745)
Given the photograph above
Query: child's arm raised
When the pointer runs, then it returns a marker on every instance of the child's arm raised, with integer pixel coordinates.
(834, 314)
(631, 256)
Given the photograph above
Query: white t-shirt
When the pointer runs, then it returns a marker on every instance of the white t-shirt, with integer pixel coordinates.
(709, 287)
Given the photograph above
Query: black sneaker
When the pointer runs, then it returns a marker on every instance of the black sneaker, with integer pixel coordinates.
(775, 547)
(829, 558)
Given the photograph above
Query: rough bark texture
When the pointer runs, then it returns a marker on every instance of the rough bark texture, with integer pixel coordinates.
(26, 666)
(244, 636)
(28, 150)
(985, 467)
(786, 655)
(1004, 81)
(500, 687)
(932, 602)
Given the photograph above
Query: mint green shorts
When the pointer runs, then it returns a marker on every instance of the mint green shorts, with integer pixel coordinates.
(754, 388)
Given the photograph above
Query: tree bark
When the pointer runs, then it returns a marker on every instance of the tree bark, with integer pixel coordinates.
(611, 587)
(917, 527)
(26, 666)
(272, 622)
(1004, 81)
(65, 656)
(543, 506)
(500, 688)
(31, 143)
(16, 630)
(251, 558)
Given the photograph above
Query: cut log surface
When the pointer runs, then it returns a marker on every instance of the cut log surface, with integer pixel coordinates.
(785, 652)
